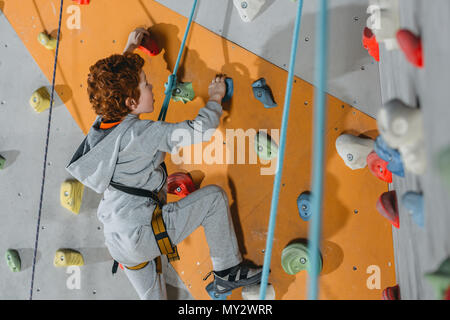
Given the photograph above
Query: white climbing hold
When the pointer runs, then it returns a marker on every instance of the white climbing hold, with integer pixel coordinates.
(252, 292)
(401, 128)
(384, 21)
(248, 9)
(354, 150)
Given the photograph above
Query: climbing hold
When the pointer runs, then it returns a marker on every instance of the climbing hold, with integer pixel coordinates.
(252, 292)
(440, 280)
(411, 46)
(390, 155)
(40, 100)
(387, 206)
(378, 167)
(67, 257)
(71, 195)
(263, 93)
(230, 89)
(183, 92)
(81, 2)
(47, 41)
(401, 128)
(370, 43)
(248, 9)
(304, 205)
(265, 147)
(180, 184)
(210, 288)
(413, 202)
(13, 260)
(354, 150)
(442, 165)
(2, 162)
(384, 21)
(149, 46)
(391, 293)
(295, 258)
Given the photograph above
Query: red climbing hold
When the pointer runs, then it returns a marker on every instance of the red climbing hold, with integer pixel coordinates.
(149, 46)
(379, 167)
(411, 46)
(370, 43)
(391, 293)
(388, 208)
(180, 184)
(82, 1)
(447, 294)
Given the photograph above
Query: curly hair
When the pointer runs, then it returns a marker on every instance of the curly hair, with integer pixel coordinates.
(111, 81)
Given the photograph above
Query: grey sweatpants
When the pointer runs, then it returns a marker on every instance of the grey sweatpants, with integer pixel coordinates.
(207, 207)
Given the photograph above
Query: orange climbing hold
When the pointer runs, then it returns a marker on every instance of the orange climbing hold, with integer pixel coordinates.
(370, 43)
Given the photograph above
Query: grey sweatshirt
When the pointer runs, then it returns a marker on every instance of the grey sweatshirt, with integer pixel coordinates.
(131, 154)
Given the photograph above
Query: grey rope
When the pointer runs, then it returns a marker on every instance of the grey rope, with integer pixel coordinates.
(46, 152)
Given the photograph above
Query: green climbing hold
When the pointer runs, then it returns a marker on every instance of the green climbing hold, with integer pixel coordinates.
(440, 279)
(2, 162)
(183, 92)
(13, 260)
(443, 166)
(295, 258)
(265, 147)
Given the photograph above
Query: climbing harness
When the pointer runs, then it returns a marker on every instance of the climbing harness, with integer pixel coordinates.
(46, 151)
(172, 80)
(281, 151)
(158, 226)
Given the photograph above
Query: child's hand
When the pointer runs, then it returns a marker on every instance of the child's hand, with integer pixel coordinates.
(135, 39)
(217, 89)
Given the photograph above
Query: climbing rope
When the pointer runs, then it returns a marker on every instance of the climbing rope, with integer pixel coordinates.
(319, 148)
(46, 153)
(279, 171)
(172, 81)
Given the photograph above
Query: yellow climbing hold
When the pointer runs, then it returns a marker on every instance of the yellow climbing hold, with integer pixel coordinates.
(68, 257)
(40, 100)
(47, 41)
(71, 195)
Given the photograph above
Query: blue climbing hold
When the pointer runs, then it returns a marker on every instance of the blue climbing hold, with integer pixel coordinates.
(263, 93)
(413, 202)
(214, 295)
(230, 89)
(390, 155)
(304, 205)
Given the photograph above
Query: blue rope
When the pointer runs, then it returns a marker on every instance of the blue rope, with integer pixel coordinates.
(172, 81)
(278, 174)
(46, 152)
(319, 148)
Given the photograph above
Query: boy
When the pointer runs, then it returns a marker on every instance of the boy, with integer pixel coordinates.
(122, 151)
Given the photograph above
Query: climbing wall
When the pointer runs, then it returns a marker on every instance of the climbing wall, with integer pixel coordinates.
(355, 236)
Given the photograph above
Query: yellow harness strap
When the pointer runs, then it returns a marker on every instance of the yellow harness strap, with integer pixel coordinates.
(161, 236)
(163, 241)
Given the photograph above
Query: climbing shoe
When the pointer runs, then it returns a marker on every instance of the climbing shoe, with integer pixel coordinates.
(239, 276)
